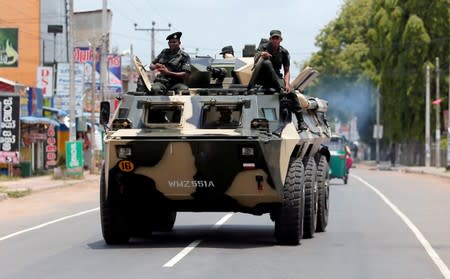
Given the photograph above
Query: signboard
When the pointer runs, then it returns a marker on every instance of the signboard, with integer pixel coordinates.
(51, 149)
(74, 157)
(84, 55)
(377, 131)
(9, 47)
(35, 102)
(62, 98)
(44, 80)
(10, 123)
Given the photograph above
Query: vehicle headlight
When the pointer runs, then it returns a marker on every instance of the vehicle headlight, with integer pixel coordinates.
(124, 152)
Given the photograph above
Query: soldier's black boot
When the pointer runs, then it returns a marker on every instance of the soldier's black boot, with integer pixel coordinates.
(301, 123)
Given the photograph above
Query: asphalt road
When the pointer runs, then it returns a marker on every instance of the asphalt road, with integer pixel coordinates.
(382, 224)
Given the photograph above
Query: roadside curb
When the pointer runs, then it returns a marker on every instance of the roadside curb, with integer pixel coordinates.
(63, 184)
(442, 175)
(45, 186)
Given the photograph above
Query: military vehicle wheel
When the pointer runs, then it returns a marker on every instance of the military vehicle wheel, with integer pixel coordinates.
(289, 219)
(311, 199)
(164, 221)
(323, 186)
(113, 228)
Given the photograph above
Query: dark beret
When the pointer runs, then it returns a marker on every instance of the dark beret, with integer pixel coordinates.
(227, 49)
(176, 35)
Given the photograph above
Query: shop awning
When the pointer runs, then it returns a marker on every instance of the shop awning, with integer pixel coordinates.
(38, 120)
(58, 112)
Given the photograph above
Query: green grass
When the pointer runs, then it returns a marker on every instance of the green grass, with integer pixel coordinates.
(8, 178)
(15, 193)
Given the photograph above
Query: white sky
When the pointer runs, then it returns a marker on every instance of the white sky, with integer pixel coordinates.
(208, 25)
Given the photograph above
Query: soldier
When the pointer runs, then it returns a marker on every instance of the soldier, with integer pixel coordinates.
(174, 66)
(227, 52)
(269, 59)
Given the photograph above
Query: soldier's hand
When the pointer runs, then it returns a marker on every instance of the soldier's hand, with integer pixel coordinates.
(163, 69)
(265, 55)
(287, 88)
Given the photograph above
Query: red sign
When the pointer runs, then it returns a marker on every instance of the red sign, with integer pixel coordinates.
(51, 150)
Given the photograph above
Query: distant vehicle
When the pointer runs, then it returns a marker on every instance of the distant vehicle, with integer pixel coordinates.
(216, 147)
(340, 162)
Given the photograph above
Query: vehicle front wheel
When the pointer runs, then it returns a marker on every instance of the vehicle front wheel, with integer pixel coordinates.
(114, 229)
(289, 219)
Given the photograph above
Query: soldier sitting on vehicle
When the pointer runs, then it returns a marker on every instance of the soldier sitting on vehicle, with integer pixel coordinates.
(269, 60)
(227, 52)
(173, 65)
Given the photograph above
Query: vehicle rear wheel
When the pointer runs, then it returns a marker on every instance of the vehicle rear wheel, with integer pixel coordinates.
(311, 200)
(164, 221)
(114, 229)
(323, 186)
(289, 219)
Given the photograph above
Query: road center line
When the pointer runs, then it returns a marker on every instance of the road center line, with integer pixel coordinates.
(194, 243)
(48, 223)
(426, 245)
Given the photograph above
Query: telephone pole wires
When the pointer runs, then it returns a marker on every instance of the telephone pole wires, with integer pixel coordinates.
(152, 30)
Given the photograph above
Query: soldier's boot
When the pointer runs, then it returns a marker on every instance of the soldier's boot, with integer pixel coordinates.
(301, 123)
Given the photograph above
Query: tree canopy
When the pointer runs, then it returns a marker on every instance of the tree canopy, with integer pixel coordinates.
(383, 46)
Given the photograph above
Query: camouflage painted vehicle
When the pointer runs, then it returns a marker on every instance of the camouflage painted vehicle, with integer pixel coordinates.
(215, 147)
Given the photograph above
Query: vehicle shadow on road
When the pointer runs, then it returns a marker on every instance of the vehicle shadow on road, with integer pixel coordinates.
(227, 236)
(337, 182)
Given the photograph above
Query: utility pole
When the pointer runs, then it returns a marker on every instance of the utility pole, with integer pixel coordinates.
(427, 120)
(438, 118)
(152, 30)
(103, 66)
(378, 129)
(72, 130)
(94, 92)
(448, 122)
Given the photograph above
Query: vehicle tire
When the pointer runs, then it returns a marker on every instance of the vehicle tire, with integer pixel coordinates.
(289, 219)
(323, 189)
(164, 221)
(114, 229)
(311, 199)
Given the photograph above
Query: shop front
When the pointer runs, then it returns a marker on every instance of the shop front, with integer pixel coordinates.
(39, 142)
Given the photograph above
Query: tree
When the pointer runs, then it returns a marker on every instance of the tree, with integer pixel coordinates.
(387, 44)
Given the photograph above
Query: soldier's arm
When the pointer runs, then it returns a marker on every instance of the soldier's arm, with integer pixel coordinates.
(287, 78)
(183, 74)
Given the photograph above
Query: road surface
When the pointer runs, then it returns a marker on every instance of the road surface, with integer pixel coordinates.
(382, 224)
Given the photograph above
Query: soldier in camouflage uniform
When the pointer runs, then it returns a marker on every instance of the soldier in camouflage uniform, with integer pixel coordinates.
(174, 66)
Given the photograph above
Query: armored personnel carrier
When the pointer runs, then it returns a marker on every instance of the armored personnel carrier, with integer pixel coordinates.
(215, 147)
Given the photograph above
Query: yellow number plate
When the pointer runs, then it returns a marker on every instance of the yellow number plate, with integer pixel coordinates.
(126, 166)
